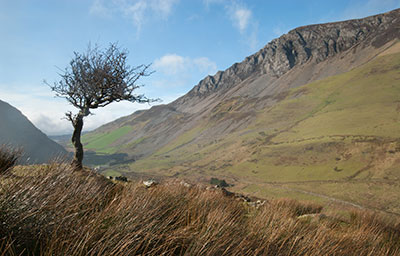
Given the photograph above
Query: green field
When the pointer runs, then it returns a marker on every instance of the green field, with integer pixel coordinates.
(102, 142)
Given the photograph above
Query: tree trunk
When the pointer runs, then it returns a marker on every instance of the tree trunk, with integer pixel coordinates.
(76, 141)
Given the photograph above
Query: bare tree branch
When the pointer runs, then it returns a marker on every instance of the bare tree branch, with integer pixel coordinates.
(96, 79)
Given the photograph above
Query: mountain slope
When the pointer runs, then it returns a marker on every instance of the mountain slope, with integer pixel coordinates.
(17, 131)
(314, 114)
(303, 55)
(342, 131)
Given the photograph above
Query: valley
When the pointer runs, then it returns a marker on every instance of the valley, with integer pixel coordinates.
(294, 150)
(334, 137)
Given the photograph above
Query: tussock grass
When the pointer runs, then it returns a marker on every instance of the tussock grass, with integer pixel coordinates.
(8, 158)
(58, 211)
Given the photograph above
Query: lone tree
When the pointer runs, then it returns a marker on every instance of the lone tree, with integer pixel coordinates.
(95, 79)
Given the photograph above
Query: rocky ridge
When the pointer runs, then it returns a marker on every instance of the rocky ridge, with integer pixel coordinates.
(303, 44)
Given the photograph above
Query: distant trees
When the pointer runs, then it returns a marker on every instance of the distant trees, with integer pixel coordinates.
(95, 79)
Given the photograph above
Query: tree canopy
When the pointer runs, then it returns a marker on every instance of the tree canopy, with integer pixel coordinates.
(95, 79)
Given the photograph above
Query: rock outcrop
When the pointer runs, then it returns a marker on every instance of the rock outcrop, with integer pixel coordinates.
(303, 44)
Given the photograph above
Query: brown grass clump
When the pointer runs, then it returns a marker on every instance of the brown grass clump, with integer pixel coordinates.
(8, 158)
(54, 210)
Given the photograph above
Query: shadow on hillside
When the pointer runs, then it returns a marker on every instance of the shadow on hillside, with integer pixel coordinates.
(94, 159)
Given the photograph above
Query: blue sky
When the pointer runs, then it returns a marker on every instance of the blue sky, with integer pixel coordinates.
(185, 40)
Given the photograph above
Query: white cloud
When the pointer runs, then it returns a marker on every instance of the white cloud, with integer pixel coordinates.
(138, 11)
(50, 125)
(98, 8)
(252, 40)
(111, 112)
(163, 7)
(241, 17)
(40, 107)
(173, 64)
(170, 64)
(205, 65)
(179, 74)
(239, 14)
(47, 112)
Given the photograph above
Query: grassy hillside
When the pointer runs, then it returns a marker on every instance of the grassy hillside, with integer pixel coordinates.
(337, 137)
(53, 210)
(102, 142)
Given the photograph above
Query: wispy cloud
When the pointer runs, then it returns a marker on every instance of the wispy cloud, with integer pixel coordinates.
(240, 16)
(47, 112)
(98, 8)
(173, 64)
(177, 72)
(31, 103)
(163, 7)
(170, 64)
(205, 65)
(252, 39)
(138, 11)
(242, 19)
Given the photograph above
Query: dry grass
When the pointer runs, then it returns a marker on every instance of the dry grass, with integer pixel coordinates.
(8, 158)
(56, 211)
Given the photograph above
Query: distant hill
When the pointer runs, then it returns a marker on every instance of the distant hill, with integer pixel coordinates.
(17, 131)
(61, 139)
(314, 114)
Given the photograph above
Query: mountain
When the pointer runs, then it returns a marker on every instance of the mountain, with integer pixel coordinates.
(17, 131)
(314, 114)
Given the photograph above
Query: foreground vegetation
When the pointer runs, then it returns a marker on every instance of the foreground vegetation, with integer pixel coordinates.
(53, 210)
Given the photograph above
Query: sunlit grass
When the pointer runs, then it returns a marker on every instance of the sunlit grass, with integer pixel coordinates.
(61, 211)
(101, 142)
